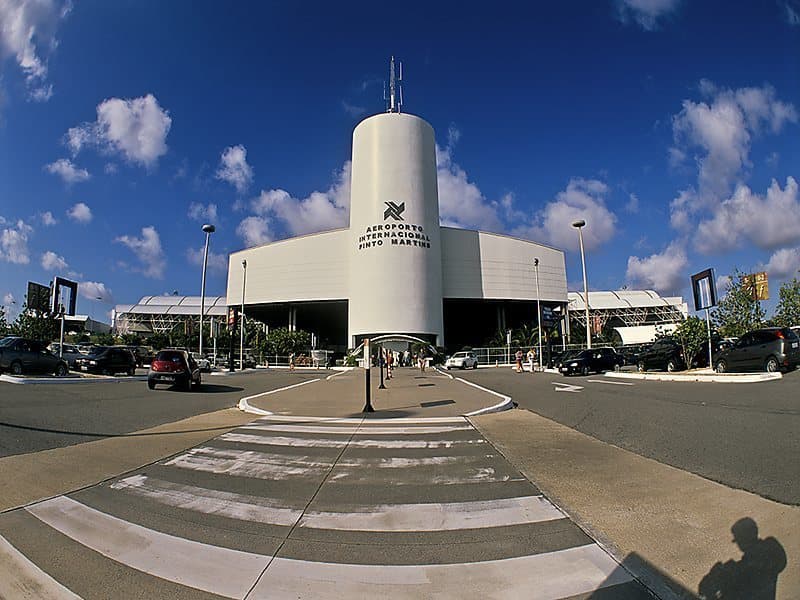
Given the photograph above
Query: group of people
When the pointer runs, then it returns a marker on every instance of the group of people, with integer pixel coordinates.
(530, 359)
(392, 359)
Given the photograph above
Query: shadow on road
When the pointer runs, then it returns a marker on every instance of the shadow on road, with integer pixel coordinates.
(110, 435)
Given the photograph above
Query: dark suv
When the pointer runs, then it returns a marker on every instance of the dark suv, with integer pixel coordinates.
(20, 355)
(770, 349)
(595, 360)
(107, 361)
(665, 354)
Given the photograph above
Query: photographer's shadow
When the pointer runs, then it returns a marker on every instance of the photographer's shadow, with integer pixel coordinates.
(755, 576)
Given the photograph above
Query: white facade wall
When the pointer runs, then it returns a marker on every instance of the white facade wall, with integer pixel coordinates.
(395, 261)
(311, 267)
(481, 265)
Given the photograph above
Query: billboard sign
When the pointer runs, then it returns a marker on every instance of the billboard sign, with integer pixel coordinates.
(704, 289)
(757, 284)
(55, 297)
(38, 297)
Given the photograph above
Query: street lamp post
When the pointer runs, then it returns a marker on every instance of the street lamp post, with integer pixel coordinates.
(241, 324)
(538, 312)
(579, 225)
(208, 229)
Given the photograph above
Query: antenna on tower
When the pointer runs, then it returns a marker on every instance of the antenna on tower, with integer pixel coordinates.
(395, 89)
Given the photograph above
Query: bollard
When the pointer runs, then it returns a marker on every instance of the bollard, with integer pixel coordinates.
(368, 406)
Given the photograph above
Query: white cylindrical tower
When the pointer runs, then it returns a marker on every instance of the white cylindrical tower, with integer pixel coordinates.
(395, 250)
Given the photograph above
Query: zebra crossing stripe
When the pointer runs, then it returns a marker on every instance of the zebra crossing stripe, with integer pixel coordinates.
(549, 576)
(297, 442)
(353, 421)
(213, 569)
(366, 430)
(212, 502)
(448, 516)
(232, 573)
(20, 578)
(243, 463)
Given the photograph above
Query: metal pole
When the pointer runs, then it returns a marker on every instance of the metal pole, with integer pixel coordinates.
(208, 229)
(538, 313)
(380, 366)
(708, 328)
(368, 406)
(585, 292)
(241, 325)
(61, 344)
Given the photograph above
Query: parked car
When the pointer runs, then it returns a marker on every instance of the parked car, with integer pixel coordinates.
(70, 353)
(142, 354)
(174, 367)
(20, 355)
(202, 362)
(462, 360)
(107, 361)
(595, 360)
(770, 349)
(665, 354)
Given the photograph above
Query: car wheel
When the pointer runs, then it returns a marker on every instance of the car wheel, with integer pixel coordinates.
(617, 367)
(187, 387)
(721, 366)
(132, 371)
(61, 370)
(463, 366)
(641, 368)
(448, 368)
(151, 384)
(475, 365)
(771, 366)
(106, 371)
(671, 366)
(16, 368)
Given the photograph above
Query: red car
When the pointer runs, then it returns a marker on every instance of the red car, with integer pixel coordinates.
(174, 367)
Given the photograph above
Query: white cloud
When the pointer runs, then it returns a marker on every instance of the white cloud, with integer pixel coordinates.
(148, 250)
(791, 12)
(583, 199)
(254, 231)
(53, 262)
(47, 218)
(14, 243)
(80, 213)
(135, 128)
(27, 32)
(206, 214)
(110, 168)
(663, 272)
(233, 168)
(633, 204)
(461, 202)
(352, 109)
(95, 290)
(68, 171)
(719, 134)
(319, 211)
(646, 13)
(768, 221)
(784, 263)
(11, 307)
(216, 262)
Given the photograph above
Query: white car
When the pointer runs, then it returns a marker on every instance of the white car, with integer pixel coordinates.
(462, 360)
(202, 362)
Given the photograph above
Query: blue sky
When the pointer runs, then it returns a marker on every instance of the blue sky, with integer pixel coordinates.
(670, 126)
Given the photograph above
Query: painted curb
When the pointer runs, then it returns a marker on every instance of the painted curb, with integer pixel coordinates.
(505, 404)
(244, 405)
(69, 380)
(701, 377)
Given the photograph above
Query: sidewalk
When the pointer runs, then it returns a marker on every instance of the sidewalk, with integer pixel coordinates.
(409, 394)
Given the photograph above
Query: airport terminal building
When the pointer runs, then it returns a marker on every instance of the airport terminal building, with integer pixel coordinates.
(395, 270)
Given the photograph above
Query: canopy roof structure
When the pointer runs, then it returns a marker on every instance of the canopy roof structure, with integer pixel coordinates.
(161, 314)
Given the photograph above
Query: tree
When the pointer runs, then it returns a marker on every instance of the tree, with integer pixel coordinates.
(787, 313)
(286, 342)
(3, 322)
(35, 325)
(692, 335)
(738, 312)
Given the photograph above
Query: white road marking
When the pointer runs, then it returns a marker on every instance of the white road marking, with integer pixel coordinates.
(20, 578)
(366, 422)
(566, 387)
(212, 502)
(469, 476)
(246, 438)
(608, 382)
(436, 517)
(243, 463)
(218, 570)
(538, 577)
(244, 405)
(410, 463)
(366, 430)
(504, 404)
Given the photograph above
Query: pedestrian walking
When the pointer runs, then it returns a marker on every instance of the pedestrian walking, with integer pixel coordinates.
(291, 361)
(389, 364)
(531, 357)
(518, 358)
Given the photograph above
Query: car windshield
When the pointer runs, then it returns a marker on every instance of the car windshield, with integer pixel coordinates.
(97, 350)
(460, 355)
(167, 356)
(583, 354)
(7, 341)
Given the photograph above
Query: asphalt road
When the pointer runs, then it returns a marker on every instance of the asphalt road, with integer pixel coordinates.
(745, 436)
(41, 417)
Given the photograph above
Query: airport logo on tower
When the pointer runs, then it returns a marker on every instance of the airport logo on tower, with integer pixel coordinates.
(394, 210)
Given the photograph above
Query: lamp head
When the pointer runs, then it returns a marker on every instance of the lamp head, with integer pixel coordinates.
(580, 223)
(535, 262)
(244, 264)
(208, 228)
